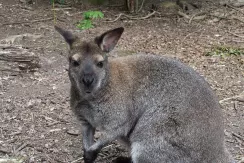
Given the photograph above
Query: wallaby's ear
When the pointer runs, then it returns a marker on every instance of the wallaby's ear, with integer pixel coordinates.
(109, 39)
(68, 36)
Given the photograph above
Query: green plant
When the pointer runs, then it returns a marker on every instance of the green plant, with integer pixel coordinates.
(225, 51)
(88, 16)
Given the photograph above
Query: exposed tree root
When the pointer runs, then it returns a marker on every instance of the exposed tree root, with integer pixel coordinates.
(203, 15)
(132, 17)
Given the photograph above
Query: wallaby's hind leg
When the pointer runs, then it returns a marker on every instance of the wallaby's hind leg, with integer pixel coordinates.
(155, 152)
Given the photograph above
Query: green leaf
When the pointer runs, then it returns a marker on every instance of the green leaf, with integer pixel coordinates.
(85, 24)
(93, 14)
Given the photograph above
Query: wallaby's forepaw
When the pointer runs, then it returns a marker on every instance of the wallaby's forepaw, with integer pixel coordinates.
(90, 156)
(122, 160)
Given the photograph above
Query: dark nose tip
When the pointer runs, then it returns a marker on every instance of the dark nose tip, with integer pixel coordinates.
(88, 80)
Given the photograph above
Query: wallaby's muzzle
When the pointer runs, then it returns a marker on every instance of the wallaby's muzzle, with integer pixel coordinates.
(88, 79)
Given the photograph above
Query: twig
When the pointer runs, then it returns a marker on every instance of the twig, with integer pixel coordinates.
(79, 159)
(131, 17)
(190, 34)
(76, 13)
(225, 17)
(183, 15)
(238, 136)
(3, 150)
(230, 6)
(232, 99)
(27, 8)
(21, 147)
(237, 41)
(236, 34)
(55, 130)
(115, 19)
(58, 9)
(235, 107)
(195, 16)
(15, 133)
(52, 124)
(237, 18)
(26, 22)
(239, 98)
(7, 46)
(141, 6)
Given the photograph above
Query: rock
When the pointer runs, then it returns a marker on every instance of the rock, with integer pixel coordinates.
(73, 131)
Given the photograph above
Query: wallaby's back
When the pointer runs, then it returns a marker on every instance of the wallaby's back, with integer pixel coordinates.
(178, 110)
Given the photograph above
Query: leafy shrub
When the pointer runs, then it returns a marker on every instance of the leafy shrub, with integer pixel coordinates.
(88, 16)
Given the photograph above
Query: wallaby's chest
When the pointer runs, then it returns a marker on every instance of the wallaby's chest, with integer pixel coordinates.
(104, 111)
(94, 112)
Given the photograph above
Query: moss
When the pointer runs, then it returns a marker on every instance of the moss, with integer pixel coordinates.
(225, 51)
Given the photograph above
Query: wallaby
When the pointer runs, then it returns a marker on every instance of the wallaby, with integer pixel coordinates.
(163, 109)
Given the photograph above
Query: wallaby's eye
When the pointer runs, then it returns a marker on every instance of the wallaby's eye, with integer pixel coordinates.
(75, 63)
(100, 64)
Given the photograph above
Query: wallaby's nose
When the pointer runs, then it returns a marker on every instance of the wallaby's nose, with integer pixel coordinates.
(88, 80)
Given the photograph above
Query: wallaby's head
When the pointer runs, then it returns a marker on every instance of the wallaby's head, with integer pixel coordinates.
(88, 63)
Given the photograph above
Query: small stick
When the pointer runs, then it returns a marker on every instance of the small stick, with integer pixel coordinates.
(238, 136)
(132, 18)
(230, 6)
(76, 13)
(26, 22)
(225, 17)
(237, 18)
(15, 133)
(79, 159)
(235, 106)
(236, 34)
(52, 124)
(239, 98)
(237, 41)
(195, 16)
(21, 147)
(141, 6)
(2, 150)
(115, 19)
(141, 18)
(58, 9)
(183, 15)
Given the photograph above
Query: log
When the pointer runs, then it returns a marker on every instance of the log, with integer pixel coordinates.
(15, 58)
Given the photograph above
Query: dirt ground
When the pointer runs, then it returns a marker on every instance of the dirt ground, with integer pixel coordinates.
(36, 124)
